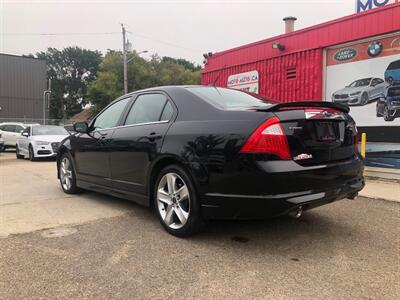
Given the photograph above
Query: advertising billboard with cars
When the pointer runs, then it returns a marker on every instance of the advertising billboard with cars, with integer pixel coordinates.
(366, 77)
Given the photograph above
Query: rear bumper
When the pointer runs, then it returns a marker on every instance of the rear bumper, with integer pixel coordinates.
(275, 191)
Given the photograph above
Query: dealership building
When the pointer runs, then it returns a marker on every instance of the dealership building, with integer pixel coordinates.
(354, 60)
(22, 86)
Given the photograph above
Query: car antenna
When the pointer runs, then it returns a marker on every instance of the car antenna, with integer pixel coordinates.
(216, 79)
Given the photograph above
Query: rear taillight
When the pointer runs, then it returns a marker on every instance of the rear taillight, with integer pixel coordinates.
(268, 138)
(356, 142)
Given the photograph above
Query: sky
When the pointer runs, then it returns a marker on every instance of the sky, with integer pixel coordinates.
(176, 28)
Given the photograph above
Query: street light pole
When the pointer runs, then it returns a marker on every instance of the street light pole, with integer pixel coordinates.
(125, 60)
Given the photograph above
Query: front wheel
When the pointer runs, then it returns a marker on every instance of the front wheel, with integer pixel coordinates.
(364, 99)
(17, 154)
(31, 153)
(176, 202)
(67, 175)
(386, 115)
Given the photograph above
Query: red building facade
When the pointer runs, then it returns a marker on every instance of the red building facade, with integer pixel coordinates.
(304, 54)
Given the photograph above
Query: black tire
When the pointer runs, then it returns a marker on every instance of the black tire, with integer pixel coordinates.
(73, 188)
(31, 153)
(364, 99)
(194, 221)
(19, 156)
(386, 115)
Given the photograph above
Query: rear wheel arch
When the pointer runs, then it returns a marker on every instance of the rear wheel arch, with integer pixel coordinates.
(158, 166)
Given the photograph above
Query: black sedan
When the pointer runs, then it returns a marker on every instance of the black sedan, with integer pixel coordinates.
(196, 153)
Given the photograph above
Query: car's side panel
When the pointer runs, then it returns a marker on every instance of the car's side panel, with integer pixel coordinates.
(132, 150)
(91, 154)
(209, 149)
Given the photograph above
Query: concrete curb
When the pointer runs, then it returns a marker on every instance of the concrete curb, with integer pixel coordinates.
(382, 174)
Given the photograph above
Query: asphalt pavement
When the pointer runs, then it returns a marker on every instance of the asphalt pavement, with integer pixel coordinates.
(346, 250)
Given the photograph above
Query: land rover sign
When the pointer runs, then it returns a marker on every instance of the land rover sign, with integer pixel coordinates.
(364, 5)
(345, 54)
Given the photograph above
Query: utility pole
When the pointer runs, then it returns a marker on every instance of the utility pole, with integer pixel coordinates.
(46, 98)
(125, 60)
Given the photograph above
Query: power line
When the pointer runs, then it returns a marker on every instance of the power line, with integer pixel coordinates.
(163, 42)
(59, 33)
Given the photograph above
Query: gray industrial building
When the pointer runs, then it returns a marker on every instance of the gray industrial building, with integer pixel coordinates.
(22, 84)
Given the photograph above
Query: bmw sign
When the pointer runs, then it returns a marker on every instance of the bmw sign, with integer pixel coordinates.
(375, 48)
(364, 5)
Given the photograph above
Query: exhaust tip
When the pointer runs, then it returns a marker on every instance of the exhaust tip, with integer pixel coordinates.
(297, 213)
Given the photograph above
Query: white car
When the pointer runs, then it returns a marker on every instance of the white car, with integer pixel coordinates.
(1, 143)
(40, 141)
(10, 131)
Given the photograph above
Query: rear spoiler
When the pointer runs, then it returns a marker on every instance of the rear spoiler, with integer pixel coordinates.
(325, 104)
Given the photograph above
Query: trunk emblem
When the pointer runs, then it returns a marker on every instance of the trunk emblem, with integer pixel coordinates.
(302, 156)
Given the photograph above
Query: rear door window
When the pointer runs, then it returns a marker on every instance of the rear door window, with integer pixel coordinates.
(147, 108)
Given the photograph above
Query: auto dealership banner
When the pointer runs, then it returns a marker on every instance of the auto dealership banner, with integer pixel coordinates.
(364, 5)
(366, 77)
(244, 81)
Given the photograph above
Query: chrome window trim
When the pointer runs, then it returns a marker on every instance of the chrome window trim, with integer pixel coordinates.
(132, 125)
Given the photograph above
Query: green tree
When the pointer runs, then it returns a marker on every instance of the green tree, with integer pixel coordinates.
(71, 70)
(142, 74)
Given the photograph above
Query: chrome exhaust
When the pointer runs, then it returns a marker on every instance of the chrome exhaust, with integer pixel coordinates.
(297, 213)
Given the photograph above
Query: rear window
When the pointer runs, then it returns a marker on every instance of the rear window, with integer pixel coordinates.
(393, 92)
(228, 98)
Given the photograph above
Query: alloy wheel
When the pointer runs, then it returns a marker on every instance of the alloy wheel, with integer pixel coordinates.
(66, 174)
(31, 154)
(386, 114)
(173, 200)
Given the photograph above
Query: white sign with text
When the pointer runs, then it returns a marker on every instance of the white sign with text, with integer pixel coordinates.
(247, 82)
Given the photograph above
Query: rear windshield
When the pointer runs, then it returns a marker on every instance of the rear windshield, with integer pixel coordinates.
(393, 92)
(228, 98)
(49, 130)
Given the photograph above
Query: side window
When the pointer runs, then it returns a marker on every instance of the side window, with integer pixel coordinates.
(146, 109)
(9, 128)
(396, 65)
(374, 82)
(110, 117)
(19, 128)
(168, 112)
(2, 127)
(380, 81)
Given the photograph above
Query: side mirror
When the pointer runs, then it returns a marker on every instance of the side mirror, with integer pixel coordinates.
(25, 134)
(81, 127)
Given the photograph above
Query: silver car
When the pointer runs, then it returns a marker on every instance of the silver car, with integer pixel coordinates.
(361, 92)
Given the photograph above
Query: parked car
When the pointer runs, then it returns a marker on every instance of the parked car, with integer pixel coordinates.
(1, 143)
(388, 107)
(10, 131)
(392, 73)
(40, 141)
(198, 153)
(360, 92)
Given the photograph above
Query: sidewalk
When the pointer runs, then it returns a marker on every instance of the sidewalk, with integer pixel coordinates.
(382, 184)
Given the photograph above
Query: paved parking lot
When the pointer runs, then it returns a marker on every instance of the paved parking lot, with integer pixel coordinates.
(116, 249)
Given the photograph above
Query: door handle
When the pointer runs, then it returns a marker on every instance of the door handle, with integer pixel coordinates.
(153, 136)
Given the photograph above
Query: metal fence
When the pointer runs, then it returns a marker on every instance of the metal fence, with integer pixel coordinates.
(61, 122)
